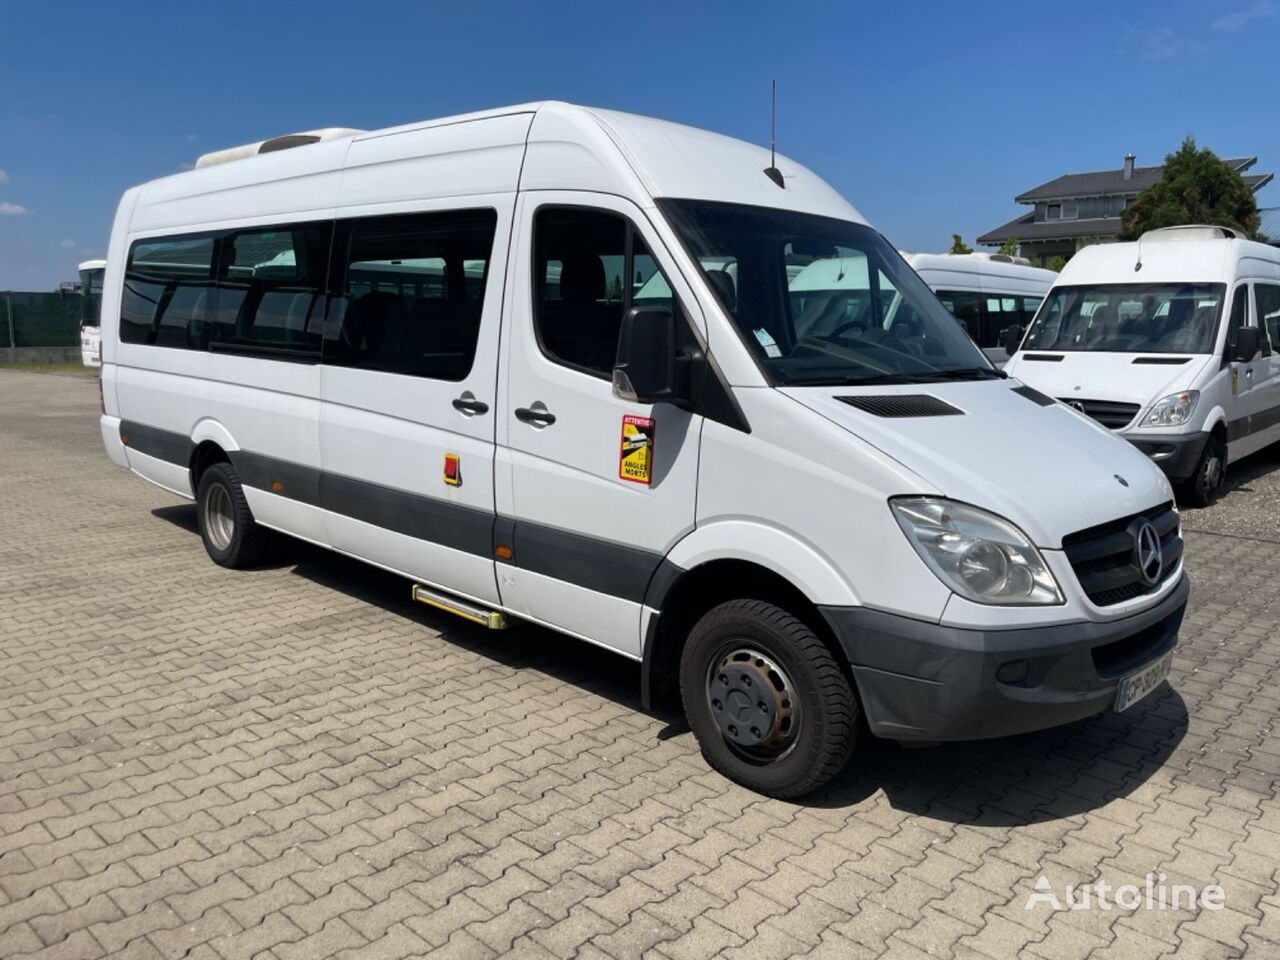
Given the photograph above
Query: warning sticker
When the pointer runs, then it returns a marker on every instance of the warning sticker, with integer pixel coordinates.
(635, 461)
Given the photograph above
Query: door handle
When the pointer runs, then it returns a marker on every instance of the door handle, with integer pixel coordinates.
(538, 415)
(469, 405)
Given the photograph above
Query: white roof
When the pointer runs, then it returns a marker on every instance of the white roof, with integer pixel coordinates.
(982, 265)
(546, 145)
(1192, 254)
(92, 265)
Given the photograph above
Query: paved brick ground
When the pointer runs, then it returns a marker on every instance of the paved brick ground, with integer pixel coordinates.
(297, 762)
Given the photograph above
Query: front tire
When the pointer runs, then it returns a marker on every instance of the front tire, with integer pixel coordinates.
(230, 536)
(770, 707)
(1204, 486)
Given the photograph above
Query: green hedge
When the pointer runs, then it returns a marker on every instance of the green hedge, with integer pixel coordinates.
(40, 319)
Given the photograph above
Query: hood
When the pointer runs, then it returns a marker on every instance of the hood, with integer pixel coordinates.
(1087, 375)
(1047, 468)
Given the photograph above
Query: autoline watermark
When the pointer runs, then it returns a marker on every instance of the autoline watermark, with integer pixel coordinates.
(1155, 894)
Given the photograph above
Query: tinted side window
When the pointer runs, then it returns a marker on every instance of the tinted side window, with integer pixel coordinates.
(412, 292)
(580, 289)
(271, 290)
(1266, 304)
(1239, 315)
(167, 286)
(998, 314)
(964, 306)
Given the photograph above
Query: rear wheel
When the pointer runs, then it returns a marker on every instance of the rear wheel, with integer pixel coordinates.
(1205, 484)
(765, 698)
(230, 536)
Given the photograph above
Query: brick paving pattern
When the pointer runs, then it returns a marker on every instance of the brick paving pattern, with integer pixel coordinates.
(298, 762)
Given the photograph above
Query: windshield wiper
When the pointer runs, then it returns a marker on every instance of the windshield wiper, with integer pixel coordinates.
(965, 373)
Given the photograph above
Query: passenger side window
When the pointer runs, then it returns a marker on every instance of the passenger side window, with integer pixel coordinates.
(1266, 305)
(412, 293)
(167, 286)
(964, 306)
(271, 290)
(589, 268)
(1239, 315)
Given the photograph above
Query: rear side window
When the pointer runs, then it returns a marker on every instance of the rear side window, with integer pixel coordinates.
(270, 290)
(412, 292)
(167, 287)
(1266, 303)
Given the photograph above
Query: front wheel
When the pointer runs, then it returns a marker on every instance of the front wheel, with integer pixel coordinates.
(766, 700)
(1205, 483)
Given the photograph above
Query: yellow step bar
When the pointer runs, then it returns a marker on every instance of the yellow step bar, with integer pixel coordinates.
(493, 619)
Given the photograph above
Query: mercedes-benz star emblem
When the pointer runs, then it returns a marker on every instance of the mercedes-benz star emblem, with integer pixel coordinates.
(1147, 554)
(1076, 405)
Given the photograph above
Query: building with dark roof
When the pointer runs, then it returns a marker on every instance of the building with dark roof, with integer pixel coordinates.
(1081, 208)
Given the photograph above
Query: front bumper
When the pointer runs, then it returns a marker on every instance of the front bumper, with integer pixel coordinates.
(1176, 455)
(923, 681)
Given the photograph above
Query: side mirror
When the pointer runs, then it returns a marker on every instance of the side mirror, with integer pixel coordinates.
(645, 370)
(1012, 338)
(1245, 346)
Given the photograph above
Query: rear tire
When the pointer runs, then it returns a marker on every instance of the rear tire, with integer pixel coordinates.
(766, 700)
(1204, 486)
(231, 538)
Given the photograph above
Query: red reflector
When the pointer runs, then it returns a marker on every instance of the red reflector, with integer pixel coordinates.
(452, 469)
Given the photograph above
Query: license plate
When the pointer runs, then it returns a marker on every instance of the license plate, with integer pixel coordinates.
(1137, 685)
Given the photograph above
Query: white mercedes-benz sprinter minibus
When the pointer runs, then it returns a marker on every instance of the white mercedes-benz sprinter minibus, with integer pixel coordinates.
(432, 348)
(1171, 342)
(91, 274)
(989, 293)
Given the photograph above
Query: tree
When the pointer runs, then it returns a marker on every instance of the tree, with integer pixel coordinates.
(1056, 264)
(958, 245)
(1196, 187)
(1010, 247)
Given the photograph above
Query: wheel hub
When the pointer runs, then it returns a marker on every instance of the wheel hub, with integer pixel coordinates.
(750, 699)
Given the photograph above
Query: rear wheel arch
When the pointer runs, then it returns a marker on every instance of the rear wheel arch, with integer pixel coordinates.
(204, 455)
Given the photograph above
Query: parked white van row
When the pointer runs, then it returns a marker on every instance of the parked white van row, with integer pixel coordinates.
(1172, 341)
(558, 364)
(91, 274)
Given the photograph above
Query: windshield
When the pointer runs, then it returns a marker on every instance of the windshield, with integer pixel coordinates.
(1129, 318)
(823, 301)
(90, 296)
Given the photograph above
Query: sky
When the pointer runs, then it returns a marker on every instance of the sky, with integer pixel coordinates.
(928, 116)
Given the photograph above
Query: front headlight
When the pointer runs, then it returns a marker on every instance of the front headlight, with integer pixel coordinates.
(1172, 410)
(978, 555)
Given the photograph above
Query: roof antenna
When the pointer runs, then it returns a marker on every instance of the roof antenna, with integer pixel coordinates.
(772, 171)
(1138, 266)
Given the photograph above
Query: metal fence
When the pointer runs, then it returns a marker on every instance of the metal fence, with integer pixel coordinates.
(39, 319)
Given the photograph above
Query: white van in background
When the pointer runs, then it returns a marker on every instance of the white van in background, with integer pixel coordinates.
(988, 292)
(432, 348)
(91, 273)
(1173, 342)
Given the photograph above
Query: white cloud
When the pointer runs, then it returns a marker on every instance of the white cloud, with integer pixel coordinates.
(4, 176)
(68, 244)
(12, 209)
(1262, 10)
(1157, 43)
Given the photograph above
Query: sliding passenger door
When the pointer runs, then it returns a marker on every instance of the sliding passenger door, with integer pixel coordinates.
(408, 384)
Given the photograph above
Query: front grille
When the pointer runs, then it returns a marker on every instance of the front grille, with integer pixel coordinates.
(1109, 414)
(903, 405)
(1103, 557)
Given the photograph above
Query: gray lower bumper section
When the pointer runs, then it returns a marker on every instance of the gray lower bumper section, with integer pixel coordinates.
(1177, 456)
(923, 681)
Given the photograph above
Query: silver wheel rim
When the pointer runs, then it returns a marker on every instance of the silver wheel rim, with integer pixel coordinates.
(751, 685)
(219, 520)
